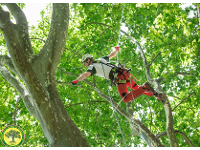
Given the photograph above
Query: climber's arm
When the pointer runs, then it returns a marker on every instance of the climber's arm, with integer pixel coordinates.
(113, 53)
(81, 77)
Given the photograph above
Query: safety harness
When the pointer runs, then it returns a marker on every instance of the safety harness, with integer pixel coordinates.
(115, 71)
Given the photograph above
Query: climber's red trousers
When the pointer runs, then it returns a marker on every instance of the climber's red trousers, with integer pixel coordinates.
(138, 90)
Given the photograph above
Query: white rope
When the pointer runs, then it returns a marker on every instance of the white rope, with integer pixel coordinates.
(113, 106)
(120, 25)
(119, 37)
(136, 126)
(118, 105)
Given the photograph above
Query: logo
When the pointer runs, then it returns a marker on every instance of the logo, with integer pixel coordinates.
(12, 136)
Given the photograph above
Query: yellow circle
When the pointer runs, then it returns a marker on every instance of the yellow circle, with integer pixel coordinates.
(13, 136)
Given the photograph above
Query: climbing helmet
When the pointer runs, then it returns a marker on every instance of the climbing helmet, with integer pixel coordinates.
(85, 57)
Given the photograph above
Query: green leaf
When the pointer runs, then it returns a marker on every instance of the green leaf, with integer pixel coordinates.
(94, 28)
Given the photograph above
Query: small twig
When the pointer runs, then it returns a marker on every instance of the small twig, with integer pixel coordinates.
(154, 59)
(184, 73)
(95, 23)
(134, 29)
(69, 73)
(37, 39)
(104, 31)
(76, 53)
(176, 97)
(182, 101)
(111, 129)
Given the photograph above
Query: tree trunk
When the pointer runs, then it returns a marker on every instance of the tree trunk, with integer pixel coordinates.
(41, 96)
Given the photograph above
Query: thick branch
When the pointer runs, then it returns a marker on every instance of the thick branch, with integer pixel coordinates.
(20, 89)
(21, 28)
(54, 45)
(26, 72)
(4, 18)
(17, 13)
(95, 23)
(177, 132)
(16, 52)
(4, 59)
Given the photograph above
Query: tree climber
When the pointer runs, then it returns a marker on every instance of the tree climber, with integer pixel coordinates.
(117, 75)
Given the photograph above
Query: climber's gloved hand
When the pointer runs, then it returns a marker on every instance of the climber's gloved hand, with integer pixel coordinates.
(74, 82)
(117, 48)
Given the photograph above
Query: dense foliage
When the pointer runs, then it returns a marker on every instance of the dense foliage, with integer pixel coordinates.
(94, 28)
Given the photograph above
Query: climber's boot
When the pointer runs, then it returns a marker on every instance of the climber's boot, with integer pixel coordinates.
(149, 88)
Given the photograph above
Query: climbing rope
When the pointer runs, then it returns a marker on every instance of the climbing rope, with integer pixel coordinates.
(118, 54)
(120, 25)
(106, 80)
(113, 106)
(119, 37)
(136, 126)
(108, 87)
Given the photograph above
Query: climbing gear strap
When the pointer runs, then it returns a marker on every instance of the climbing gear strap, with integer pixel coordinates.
(115, 71)
(134, 77)
(115, 79)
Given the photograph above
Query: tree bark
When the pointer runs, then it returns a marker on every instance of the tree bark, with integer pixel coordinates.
(176, 132)
(38, 73)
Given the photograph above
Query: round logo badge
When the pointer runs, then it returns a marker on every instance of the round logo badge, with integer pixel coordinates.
(12, 136)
